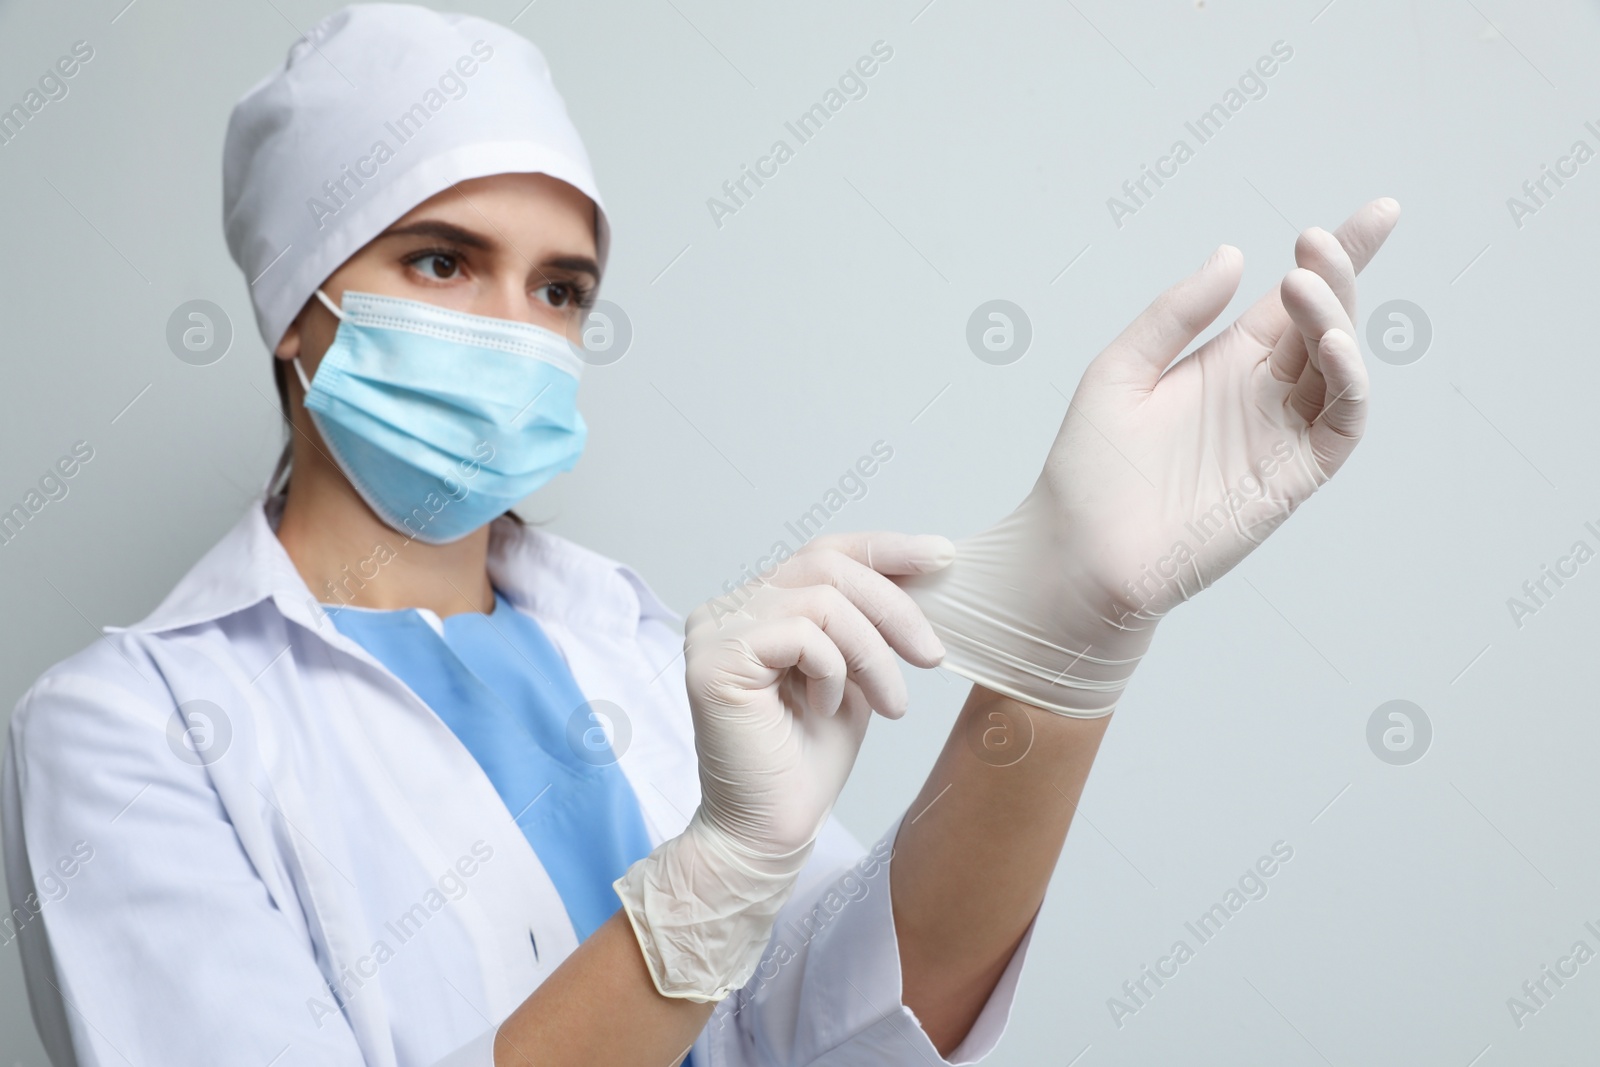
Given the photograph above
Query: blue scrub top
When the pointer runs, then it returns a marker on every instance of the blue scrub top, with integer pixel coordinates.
(503, 688)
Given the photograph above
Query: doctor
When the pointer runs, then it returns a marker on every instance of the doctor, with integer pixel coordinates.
(390, 778)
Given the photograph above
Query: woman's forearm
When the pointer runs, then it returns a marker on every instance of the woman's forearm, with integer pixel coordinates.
(976, 850)
(600, 1006)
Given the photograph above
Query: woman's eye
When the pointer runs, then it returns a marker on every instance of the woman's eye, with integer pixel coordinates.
(556, 294)
(437, 265)
(565, 295)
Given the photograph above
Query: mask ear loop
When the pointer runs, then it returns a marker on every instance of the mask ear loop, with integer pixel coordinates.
(278, 483)
(305, 383)
(330, 305)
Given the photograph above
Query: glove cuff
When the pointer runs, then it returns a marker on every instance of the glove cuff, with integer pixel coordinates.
(1014, 617)
(703, 912)
(1037, 672)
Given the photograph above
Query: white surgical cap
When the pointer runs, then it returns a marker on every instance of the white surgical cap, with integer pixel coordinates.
(377, 108)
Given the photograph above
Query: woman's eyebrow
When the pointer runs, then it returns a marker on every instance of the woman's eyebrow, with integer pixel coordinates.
(443, 231)
(580, 264)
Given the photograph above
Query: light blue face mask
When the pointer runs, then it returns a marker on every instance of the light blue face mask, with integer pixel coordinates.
(443, 420)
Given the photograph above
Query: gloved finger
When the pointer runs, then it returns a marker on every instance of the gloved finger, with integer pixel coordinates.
(856, 706)
(867, 658)
(889, 608)
(1315, 310)
(1175, 318)
(1287, 361)
(887, 552)
(800, 642)
(1292, 356)
(1361, 235)
(716, 613)
(1338, 428)
(1318, 251)
(1305, 397)
(1364, 232)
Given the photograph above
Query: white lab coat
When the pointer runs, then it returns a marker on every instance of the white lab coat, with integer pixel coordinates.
(338, 837)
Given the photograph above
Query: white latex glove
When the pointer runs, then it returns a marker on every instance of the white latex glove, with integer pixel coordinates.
(782, 680)
(1161, 480)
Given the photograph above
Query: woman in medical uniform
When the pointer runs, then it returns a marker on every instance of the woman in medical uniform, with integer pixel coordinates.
(391, 778)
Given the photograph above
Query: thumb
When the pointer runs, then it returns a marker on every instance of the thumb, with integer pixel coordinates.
(1175, 318)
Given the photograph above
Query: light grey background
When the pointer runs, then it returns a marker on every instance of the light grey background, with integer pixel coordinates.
(771, 352)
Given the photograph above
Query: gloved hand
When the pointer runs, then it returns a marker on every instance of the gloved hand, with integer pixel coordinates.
(782, 679)
(1161, 480)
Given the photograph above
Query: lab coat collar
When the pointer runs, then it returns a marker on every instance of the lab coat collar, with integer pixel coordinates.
(539, 572)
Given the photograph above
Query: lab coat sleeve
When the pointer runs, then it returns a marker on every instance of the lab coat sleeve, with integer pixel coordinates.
(479, 1052)
(827, 992)
(146, 934)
